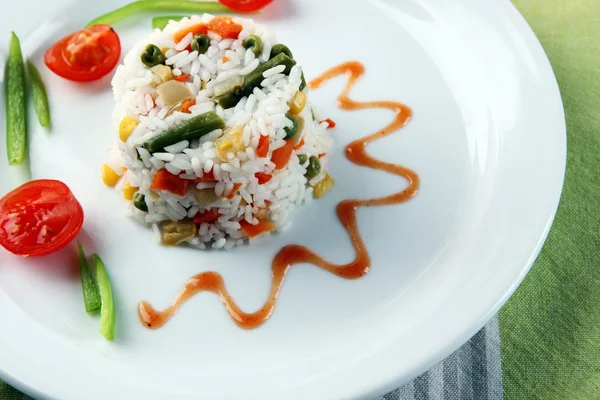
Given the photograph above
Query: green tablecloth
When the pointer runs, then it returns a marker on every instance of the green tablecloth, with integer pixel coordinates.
(550, 329)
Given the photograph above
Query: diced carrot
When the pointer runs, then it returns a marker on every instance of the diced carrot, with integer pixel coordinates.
(124, 169)
(164, 180)
(181, 78)
(225, 27)
(299, 145)
(321, 155)
(231, 195)
(282, 155)
(208, 216)
(262, 178)
(262, 150)
(255, 230)
(330, 123)
(207, 177)
(225, 59)
(185, 106)
(196, 29)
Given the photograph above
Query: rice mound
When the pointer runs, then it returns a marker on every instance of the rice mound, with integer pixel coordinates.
(230, 188)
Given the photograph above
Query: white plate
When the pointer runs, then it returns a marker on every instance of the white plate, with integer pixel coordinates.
(487, 139)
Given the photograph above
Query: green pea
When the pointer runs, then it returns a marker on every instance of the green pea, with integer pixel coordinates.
(152, 56)
(302, 159)
(255, 43)
(290, 131)
(139, 202)
(281, 48)
(200, 43)
(314, 167)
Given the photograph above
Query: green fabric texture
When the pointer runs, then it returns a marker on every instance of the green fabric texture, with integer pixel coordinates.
(8, 393)
(550, 328)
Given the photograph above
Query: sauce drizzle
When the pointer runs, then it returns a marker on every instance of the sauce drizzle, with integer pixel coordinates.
(346, 210)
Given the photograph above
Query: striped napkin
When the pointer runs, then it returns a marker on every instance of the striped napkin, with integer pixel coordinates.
(545, 343)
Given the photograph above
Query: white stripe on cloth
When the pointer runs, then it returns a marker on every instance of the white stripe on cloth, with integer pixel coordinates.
(473, 372)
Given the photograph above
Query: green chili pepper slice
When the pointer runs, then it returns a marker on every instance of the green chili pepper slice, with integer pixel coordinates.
(108, 319)
(15, 103)
(91, 294)
(39, 95)
(137, 7)
(162, 21)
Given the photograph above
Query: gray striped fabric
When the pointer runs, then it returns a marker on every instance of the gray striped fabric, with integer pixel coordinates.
(473, 372)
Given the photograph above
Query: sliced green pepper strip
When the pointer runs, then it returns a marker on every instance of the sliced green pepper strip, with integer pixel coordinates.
(159, 5)
(16, 106)
(108, 318)
(39, 95)
(162, 21)
(91, 294)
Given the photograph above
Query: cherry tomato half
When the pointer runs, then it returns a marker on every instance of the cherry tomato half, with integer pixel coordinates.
(245, 6)
(39, 218)
(86, 55)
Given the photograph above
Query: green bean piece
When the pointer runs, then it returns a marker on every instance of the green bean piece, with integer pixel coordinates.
(303, 82)
(91, 294)
(281, 48)
(139, 202)
(200, 43)
(108, 318)
(255, 43)
(254, 79)
(192, 128)
(39, 95)
(290, 131)
(152, 56)
(15, 103)
(162, 21)
(137, 7)
(314, 167)
(302, 159)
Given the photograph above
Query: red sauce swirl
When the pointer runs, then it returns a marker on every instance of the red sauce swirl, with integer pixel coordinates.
(346, 211)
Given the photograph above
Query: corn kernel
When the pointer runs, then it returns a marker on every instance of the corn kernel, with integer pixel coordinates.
(109, 176)
(126, 126)
(298, 102)
(225, 145)
(230, 142)
(129, 191)
(321, 188)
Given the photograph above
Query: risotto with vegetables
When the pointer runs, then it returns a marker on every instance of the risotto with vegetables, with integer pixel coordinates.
(217, 141)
